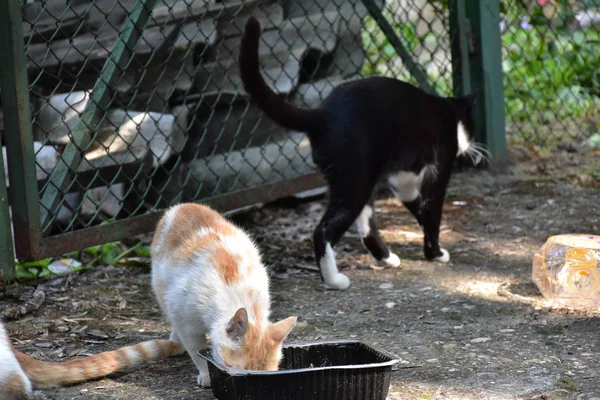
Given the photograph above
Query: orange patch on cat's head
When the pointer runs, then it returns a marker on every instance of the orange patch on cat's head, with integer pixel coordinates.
(258, 345)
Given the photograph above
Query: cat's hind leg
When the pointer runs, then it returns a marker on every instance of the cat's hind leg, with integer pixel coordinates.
(414, 207)
(367, 229)
(335, 222)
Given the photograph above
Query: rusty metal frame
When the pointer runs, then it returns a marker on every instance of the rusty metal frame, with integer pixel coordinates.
(17, 126)
(60, 244)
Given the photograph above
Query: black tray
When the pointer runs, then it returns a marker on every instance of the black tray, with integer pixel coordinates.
(339, 370)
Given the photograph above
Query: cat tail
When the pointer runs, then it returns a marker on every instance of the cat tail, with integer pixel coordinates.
(282, 112)
(52, 374)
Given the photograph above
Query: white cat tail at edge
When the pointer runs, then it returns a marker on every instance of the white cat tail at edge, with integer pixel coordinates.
(463, 138)
(445, 257)
(332, 277)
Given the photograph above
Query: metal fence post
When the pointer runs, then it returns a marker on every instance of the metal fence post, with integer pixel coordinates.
(485, 71)
(24, 197)
(7, 254)
(460, 43)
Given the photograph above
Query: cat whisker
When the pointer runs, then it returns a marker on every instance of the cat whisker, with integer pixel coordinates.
(477, 153)
(482, 148)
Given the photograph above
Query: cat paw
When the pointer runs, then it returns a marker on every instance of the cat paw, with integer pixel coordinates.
(392, 261)
(445, 257)
(339, 282)
(204, 379)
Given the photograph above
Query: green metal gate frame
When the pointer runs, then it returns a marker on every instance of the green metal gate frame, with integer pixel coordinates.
(475, 65)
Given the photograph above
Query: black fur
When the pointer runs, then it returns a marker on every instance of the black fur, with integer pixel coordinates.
(364, 130)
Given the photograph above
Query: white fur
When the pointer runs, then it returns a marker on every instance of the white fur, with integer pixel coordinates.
(362, 222)
(9, 364)
(463, 139)
(168, 220)
(445, 257)
(392, 260)
(332, 277)
(407, 185)
(196, 300)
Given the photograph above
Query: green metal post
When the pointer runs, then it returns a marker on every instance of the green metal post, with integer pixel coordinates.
(24, 197)
(84, 132)
(460, 44)
(485, 64)
(7, 254)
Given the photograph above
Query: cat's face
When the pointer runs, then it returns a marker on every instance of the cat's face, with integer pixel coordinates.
(255, 347)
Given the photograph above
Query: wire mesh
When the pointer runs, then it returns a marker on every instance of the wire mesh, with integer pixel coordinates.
(551, 53)
(177, 125)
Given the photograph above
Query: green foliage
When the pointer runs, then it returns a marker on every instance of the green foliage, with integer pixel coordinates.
(106, 254)
(550, 75)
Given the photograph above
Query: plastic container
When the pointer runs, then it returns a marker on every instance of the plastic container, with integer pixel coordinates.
(341, 370)
(567, 270)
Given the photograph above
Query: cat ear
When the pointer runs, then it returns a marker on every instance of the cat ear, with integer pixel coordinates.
(238, 325)
(280, 330)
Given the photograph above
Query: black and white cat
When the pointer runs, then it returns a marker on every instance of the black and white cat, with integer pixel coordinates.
(364, 130)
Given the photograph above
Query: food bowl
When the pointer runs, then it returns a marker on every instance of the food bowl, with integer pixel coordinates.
(567, 270)
(339, 370)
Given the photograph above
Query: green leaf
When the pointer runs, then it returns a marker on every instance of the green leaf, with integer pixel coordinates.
(142, 251)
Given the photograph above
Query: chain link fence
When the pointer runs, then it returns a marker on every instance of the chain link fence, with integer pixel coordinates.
(551, 55)
(138, 104)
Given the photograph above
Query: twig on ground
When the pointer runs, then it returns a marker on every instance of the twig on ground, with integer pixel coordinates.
(33, 304)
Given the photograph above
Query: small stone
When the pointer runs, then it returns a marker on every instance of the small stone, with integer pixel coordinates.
(507, 330)
(83, 391)
(390, 305)
(481, 340)
(445, 309)
(386, 286)
(432, 360)
(449, 346)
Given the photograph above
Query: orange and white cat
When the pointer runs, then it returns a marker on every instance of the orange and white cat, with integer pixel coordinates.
(208, 278)
(20, 373)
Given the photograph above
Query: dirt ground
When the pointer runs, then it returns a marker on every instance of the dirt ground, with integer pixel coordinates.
(476, 328)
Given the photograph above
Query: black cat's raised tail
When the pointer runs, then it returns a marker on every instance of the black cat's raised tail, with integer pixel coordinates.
(283, 113)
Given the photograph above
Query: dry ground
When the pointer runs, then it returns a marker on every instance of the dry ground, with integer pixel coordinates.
(475, 328)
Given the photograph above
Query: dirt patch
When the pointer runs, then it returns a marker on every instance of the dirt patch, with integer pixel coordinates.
(475, 328)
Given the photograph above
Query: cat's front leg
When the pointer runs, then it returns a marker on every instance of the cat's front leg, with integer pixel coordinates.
(193, 342)
(431, 215)
(203, 376)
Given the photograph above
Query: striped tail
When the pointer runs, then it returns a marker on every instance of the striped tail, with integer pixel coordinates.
(51, 374)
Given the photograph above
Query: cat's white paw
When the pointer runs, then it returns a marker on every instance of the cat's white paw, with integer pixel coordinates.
(445, 257)
(339, 282)
(204, 379)
(392, 261)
